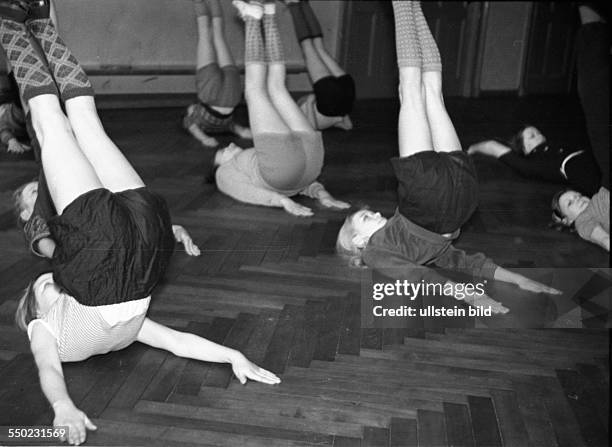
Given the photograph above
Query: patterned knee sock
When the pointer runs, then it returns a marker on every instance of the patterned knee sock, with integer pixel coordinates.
(311, 19)
(254, 44)
(299, 22)
(215, 8)
(70, 77)
(406, 39)
(429, 48)
(201, 8)
(274, 45)
(31, 72)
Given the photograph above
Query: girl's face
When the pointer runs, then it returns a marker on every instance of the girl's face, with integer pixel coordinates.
(28, 199)
(365, 223)
(226, 154)
(532, 137)
(571, 204)
(46, 292)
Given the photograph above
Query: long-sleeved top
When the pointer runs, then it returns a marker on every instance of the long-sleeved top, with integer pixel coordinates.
(401, 249)
(544, 163)
(239, 178)
(596, 213)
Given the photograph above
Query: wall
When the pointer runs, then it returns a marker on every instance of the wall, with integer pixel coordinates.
(158, 38)
(504, 43)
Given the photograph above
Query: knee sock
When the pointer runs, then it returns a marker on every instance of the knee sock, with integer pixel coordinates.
(201, 8)
(254, 44)
(311, 19)
(429, 48)
(31, 72)
(69, 75)
(302, 31)
(406, 39)
(274, 45)
(214, 6)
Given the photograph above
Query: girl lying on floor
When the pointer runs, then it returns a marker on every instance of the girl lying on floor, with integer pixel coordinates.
(113, 236)
(590, 217)
(288, 153)
(438, 188)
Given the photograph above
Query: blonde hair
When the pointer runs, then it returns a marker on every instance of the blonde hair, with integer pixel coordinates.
(18, 203)
(27, 308)
(345, 245)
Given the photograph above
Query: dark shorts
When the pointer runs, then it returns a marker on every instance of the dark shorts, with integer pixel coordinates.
(219, 86)
(583, 173)
(112, 247)
(437, 190)
(335, 96)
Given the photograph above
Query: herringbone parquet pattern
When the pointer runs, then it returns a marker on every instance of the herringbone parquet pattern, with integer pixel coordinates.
(269, 284)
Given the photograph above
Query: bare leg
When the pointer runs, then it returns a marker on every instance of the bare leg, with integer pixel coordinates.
(206, 53)
(282, 100)
(68, 171)
(329, 61)
(113, 169)
(443, 132)
(413, 128)
(263, 115)
(314, 63)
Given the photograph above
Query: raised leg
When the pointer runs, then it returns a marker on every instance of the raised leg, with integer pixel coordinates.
(413, 127)
(263, 116)
(282, 100)
(112, 168)
(68, 172)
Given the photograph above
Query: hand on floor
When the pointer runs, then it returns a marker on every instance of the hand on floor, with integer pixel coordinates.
(181, 235)
(15, 147)
(486, 301)
(77, 422)
(245, 369)
(295, 208)
(330, 202)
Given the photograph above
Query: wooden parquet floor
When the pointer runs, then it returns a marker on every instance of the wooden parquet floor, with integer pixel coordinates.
(269, 284)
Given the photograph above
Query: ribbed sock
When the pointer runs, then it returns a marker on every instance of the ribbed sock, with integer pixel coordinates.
(68, 74)
(215, 8)
(406, 39)
(31, 72)
(254, 44)
(311, 19)
(201, 8)
(429, 49)
(299, 22)
(274, 45)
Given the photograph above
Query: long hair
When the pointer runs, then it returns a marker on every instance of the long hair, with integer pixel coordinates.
(26, 309)
(18, 204)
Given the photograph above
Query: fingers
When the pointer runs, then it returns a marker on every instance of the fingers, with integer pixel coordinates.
(261, 375)
(191, 248)
(90, 425)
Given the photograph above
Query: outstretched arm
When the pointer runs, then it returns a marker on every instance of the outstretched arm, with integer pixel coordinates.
(491, 148)
(501, 274)
(317, 191)
(191, 346)
(397, 267)
(46, 356)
